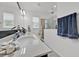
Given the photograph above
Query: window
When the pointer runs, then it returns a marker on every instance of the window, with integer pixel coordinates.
(8, 20)
(36, 22)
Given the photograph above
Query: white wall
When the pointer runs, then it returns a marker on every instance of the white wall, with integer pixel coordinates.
(18, 19)
(66, 8)
(64, 47)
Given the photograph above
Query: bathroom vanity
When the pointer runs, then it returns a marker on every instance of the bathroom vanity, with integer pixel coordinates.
(29, 46)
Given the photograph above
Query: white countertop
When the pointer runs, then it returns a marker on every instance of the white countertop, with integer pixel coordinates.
(30, 46)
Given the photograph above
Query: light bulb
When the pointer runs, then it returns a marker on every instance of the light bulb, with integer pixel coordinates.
(24, 12)
(21, 11)
(54, 6)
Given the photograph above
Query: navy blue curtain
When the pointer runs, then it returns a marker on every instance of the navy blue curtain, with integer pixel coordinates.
(67, 26)
(59, 31)
(72, 26)
(64, 26)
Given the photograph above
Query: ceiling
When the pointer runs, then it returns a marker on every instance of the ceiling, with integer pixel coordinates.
(34, 8)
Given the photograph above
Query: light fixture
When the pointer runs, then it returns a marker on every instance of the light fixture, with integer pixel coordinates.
(19, 5)
(21, 9)
(54, 6)
(23, 13)
(52, 11)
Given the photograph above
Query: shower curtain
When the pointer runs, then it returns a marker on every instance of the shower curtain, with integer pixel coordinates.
(67, 26)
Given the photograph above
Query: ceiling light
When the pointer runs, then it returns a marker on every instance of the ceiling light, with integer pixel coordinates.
(21, 9)
(54, 6)
(22, 12)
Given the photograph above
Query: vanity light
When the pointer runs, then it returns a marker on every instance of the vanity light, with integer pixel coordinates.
(21, 9)
(22, 12)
